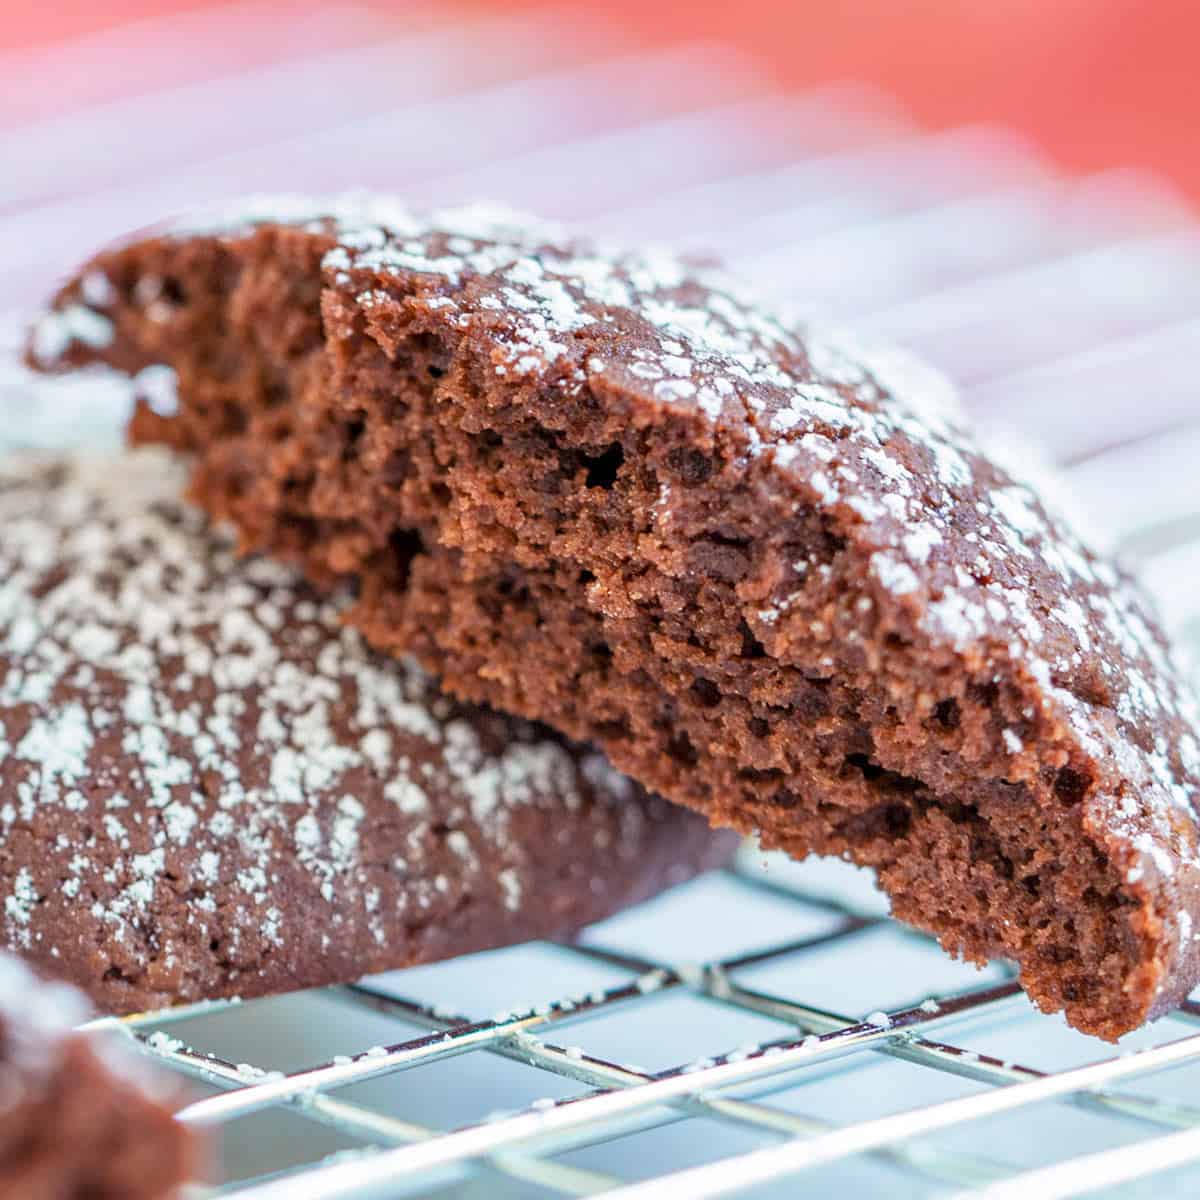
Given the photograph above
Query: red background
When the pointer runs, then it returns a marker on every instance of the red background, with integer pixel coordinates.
(1096, 83)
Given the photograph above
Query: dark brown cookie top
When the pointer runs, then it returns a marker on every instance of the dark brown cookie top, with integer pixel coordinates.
(177, 723)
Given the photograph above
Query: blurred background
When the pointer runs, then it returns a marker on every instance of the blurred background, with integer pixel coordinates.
(1009, 188)
(1095, 82)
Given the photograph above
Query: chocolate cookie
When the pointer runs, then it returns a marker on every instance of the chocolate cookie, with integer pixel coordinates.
(81, 1117)
(209, 786)
(762, 568)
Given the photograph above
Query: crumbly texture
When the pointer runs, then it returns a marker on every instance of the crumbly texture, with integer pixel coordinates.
(766, 570)
(209, 786)
(81, 1117)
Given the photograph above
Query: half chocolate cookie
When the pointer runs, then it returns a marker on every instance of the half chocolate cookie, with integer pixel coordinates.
(211, 787)
(761, 568)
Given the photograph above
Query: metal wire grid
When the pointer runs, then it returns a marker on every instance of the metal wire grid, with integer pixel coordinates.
(407, 1158)
(956, 237)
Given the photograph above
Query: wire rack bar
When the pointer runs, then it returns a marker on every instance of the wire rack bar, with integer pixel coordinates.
(1090, 1173)
(354, 1119)
(970, 1064)
(758, 1166)
(716, 983)
(585, 1068)
(551, 1130)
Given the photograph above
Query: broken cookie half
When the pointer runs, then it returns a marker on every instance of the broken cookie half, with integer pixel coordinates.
(760, 567)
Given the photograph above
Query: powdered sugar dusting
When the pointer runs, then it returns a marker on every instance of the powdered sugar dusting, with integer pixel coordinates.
(57, 331)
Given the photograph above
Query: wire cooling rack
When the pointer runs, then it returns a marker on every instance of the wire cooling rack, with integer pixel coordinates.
(812, 1046)
(795, 1040)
